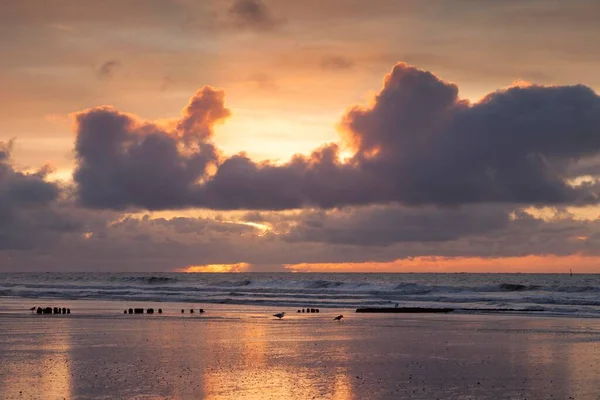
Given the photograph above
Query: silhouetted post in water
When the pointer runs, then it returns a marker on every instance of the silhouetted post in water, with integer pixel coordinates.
(64, 310)
(316, 310)
(39, 310)
(202, 311)
(48, 310)
(191, 311)
(130, 311)
(182, 310)
(138, 310)
(160, 310)
(303, 310)
(124, 311)
(68, 311)
(150, 311)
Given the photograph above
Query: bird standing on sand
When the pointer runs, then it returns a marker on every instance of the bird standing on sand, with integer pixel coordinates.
(338, 318)
(32, 309)
(279, 315)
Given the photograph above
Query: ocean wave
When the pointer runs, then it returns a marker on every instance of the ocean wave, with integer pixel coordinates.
(516, 287)
(240, 283)
(507, 291)
(322, 284)
(576, 289)
(152, 280)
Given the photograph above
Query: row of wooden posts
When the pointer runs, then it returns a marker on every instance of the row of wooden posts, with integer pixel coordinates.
(58, 310)
(151, 311)
(52, 310)
(201, 311)
(141, 311)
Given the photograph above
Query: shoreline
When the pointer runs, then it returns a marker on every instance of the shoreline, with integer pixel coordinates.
(21, 305)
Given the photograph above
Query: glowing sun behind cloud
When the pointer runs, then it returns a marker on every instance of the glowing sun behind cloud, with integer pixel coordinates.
(216, 268)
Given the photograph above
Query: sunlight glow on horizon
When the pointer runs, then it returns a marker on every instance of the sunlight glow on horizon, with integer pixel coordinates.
(215, 268)
(525, 264)
(427, 264)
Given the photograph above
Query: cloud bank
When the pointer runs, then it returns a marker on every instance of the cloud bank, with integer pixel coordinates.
(28, 213)
(124, 162)
(418, 143)
(431, 175)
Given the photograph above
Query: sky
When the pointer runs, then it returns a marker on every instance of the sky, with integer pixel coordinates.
(272, 135)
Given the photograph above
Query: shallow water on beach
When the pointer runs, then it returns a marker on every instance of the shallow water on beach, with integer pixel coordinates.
(237, 352)
(545, 294)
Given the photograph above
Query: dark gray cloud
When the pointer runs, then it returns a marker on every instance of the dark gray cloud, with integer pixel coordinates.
(123, 162)
(20, 188)
(240, 183)
(114, 242)
(28, 216)
(515, 145)
(42, 229)
(253, 15)
(108, 69)
(388, 225)
(5, 149)
(418, 144)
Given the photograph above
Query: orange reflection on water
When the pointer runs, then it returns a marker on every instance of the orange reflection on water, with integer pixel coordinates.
(276, 369)
(583, 369)
(341, 388)
(281, 383)
(36, 364)
(559, 358)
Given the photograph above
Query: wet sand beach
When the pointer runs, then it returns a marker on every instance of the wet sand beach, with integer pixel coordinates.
(235, 352)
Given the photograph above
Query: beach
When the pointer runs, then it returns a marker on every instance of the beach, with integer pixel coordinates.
(242, 352)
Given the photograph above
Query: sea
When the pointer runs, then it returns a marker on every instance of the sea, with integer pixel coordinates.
(545, 294)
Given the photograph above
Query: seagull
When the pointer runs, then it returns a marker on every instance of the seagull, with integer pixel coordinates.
(32, 309)
(279, 315)
(338, 318)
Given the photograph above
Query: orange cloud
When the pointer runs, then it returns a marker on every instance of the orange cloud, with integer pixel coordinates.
(526, 264)
(239, 267)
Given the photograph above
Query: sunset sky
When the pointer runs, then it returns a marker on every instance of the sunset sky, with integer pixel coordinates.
(278, 135)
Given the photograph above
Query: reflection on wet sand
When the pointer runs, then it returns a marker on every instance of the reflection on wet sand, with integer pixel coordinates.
(36, 360)
(565, 368)
(271, 364)
(250, 358)
(583, 370)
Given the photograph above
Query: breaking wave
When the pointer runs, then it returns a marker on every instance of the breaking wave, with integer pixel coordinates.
(571, 295)
(144, 279)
